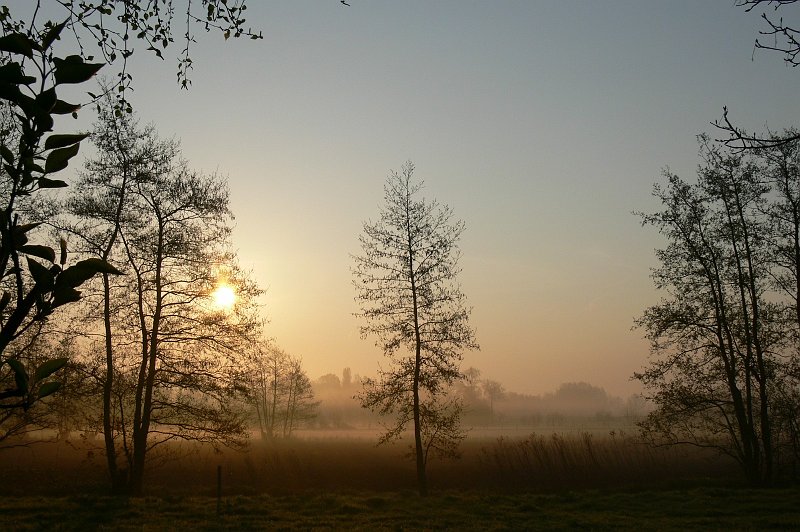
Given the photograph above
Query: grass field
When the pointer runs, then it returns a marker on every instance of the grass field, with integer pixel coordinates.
(537, 482)
(693, 509)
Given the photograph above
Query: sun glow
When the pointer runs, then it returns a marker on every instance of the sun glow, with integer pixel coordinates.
(224, 296)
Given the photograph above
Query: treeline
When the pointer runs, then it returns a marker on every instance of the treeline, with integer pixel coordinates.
(487, 403)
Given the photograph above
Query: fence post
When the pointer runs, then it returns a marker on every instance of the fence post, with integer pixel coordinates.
(219, 489)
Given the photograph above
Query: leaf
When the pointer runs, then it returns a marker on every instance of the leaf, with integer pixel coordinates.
(44, 121)
(7, 155)
(59, 159)
(49, 367)
(52, 35)
(24, 228)
(20, 375)
(64, 108)
(60, 141)
(46, 99)
(49, 388)
(10, 92)
(18, 43)
(64, 294)
(44, 182)
(73, 69)
(76, 275)
(42, 276)
(43, 252)
(12, 74)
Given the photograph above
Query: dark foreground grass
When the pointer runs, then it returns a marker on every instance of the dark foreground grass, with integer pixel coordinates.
(690, 509)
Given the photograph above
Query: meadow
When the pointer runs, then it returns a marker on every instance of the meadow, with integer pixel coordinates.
(541, 481)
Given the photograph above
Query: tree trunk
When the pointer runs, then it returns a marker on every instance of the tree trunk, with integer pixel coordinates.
(117, 480)
(422, 480)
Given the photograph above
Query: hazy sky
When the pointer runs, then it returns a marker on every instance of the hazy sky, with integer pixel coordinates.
(542, 124)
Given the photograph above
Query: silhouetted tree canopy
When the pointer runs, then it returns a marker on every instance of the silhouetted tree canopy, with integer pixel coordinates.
(406, 285)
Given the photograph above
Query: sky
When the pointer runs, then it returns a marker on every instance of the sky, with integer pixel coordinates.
(542, 124)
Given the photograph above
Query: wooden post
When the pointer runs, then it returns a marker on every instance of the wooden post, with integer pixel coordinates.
(219, 489)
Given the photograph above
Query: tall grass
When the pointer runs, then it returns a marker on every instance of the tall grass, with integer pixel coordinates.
(560, 461)
(534, 463)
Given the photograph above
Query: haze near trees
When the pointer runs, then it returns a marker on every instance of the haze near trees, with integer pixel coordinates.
(406, 285)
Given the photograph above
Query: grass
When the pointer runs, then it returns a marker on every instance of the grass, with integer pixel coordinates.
(537, 482)
(694, 509)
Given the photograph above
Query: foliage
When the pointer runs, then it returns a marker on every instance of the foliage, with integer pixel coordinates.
(723, 371)
(34, 288)
(405, 279)
(112, 28)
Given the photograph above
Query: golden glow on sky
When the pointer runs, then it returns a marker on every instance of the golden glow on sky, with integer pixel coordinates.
(542, 146)
(224, 296)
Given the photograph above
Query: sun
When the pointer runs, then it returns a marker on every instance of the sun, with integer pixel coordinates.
(224, 296)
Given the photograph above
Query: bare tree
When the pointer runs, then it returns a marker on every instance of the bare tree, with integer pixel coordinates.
(170, 355)
(405, 278)
(278, 390)
(723, 352)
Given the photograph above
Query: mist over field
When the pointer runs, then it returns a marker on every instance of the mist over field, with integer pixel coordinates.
(414, 265)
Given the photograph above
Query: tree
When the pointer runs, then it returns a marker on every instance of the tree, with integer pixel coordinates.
(723, 344)
(33, 291)
(405, 279)
(785, 40)
(171, 357)
(493, 391)
(278, 390)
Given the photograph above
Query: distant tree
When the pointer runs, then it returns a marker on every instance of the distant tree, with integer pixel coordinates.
(468, 387)
(300, 405)
(405, 278)
(723, 371)
(493, 391)
(278, 389)
(329, 380)
(782, 38)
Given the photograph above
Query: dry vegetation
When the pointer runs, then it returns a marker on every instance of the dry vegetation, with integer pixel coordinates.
(538, 482)
(538, 462)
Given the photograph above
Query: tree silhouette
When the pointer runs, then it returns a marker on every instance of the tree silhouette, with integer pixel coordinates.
(171, 357)
(405, 278)
(723, 371)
